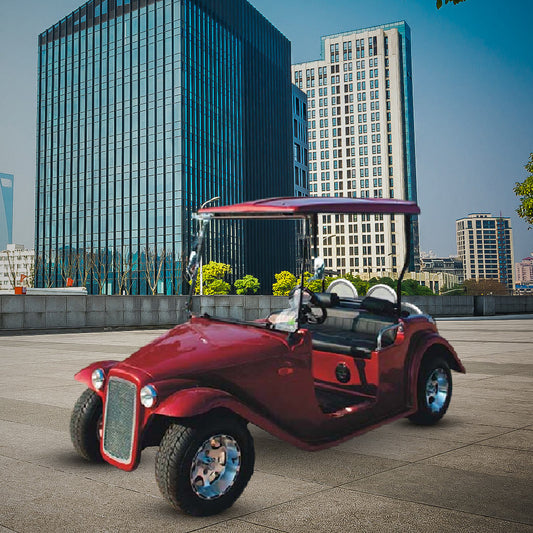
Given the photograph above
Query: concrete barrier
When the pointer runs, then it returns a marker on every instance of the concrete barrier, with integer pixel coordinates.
(60, 312)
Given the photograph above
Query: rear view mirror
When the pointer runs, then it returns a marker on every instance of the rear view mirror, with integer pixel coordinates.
(318, 268)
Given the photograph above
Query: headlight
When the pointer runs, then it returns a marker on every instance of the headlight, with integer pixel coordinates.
(98, 379)
(148, 396)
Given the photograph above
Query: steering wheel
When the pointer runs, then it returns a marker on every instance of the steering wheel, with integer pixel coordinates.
(309, 316)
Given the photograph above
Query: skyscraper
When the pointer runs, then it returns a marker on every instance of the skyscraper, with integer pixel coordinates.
(146, 110)
(300, 146)
(6, 210)
(361, 143)
(524, 275)
(485, 245)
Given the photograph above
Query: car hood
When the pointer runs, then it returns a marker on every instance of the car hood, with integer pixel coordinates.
(204, 345)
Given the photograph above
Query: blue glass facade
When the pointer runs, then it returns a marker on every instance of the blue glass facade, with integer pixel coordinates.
(146, 110)
(6, 210)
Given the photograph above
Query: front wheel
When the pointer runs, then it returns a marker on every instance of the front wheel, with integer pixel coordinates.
(86, 426)
(434, 391)
(202, 469)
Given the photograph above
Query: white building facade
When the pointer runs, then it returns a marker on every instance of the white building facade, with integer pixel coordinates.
(485, 245)
(524, 275)
(361, 143)
(16, 267)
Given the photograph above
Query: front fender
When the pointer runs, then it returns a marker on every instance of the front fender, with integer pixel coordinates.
(196, 401)
(84, 375)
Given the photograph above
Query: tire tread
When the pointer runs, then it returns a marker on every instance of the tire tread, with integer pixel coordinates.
(86, 412)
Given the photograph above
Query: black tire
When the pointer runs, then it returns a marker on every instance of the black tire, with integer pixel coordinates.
(432, 401)
(176, 456)
(85, 424)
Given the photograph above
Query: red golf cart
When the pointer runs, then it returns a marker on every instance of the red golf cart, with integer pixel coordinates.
(328, 367)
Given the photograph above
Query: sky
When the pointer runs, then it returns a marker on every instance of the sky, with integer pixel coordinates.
(472, 84)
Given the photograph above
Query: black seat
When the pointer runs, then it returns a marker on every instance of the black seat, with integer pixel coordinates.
(344, 342)
(379, 306)
(350, 332)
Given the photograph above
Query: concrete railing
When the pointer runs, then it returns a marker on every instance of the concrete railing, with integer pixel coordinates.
(56, 312)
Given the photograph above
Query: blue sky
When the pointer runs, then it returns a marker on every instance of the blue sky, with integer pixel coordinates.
(472, 80)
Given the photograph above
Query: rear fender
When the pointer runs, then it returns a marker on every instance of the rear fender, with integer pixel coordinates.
(84, 375)
(425, 344)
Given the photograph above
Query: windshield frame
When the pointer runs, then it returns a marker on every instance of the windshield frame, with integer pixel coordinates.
(307, 209)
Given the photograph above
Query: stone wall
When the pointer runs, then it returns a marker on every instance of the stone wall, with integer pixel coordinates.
(57, 312)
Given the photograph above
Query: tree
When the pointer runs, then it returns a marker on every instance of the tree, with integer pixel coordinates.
(124, 264)
(217, 287)
(361, 285)
(411, 287)
(285, 282)
(154, 261)
(454, 290)
(247, 285)
(68, 264)
(213, 274)
(11, 267)
(524, 191)
(455, 2)
(86, 265)
(101, 267)
(480, 287)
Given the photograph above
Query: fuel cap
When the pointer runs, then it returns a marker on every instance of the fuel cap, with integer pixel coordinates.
(342, 373)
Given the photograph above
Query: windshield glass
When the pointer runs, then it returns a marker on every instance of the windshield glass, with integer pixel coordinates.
(210, 273)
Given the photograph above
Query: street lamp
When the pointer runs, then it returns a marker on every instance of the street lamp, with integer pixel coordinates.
(214, 199)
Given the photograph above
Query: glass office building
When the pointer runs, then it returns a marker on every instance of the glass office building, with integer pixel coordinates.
(6, 210)
(146, 110)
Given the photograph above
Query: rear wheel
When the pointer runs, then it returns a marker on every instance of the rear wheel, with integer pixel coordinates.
(202, 469)
(434, 391)
(86, 426)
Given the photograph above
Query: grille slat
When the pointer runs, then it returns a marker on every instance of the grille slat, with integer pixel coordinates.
(120, 418)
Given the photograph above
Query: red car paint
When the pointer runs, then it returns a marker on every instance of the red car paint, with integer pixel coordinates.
(271, 378)
(199, 366)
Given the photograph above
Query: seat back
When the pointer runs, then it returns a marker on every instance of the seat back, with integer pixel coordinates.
(369, 325)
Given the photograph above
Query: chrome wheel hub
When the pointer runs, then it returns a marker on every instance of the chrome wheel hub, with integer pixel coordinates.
(215, 467)
(437, 387)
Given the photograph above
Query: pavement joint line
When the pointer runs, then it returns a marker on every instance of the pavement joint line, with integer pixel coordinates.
(409, 463)
(290, 500)
(238, 520)
(485, 341)
(452, 509)
(514, 430)
(298, 478)
(88, 478)
(267, 527)
(8, 528)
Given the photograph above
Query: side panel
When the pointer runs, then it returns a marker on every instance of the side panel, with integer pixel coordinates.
(192, 402)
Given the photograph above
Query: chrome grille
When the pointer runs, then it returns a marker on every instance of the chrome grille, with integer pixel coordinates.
(120, 419)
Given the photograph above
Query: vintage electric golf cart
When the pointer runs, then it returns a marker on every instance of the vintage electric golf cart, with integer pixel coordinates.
(321, 371)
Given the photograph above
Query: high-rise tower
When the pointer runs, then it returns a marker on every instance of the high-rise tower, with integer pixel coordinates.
(6, 210)
(361, 143)
(485, 245)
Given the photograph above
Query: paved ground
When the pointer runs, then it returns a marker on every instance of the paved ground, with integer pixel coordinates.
(472, 472)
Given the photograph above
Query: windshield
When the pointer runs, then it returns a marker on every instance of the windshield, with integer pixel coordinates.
(208, 276)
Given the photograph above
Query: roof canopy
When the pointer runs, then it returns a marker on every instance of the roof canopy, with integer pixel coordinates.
(300, 207)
